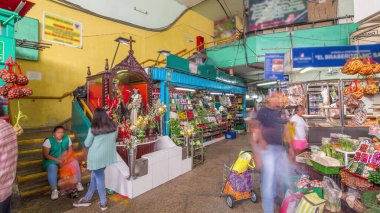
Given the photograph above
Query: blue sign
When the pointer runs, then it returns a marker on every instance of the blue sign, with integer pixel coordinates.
(274, 66)
(286, 78)
(332, 56)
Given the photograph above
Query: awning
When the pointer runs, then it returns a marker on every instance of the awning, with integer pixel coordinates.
(21, 7)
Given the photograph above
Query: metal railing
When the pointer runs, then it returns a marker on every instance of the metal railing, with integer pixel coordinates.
(64, 95)
(86, 110)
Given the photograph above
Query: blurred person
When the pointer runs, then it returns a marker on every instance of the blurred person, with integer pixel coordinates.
(272, 150)
(101, 144)
(300, 138)
(8, 164)
(57, 152)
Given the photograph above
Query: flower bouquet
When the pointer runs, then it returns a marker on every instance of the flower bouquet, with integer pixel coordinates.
(160, 110)
(187, 131)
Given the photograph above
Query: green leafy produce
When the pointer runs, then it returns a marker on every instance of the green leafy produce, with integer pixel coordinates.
(175, 131)
(374, 177)
(326, 149)
(196, 129)
(354, 167)
(338, 156)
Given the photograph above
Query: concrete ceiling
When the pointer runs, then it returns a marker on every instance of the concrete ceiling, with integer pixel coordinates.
(212, 9)
(147, 14)
(251, 73)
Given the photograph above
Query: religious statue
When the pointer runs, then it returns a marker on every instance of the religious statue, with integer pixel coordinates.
(135, 105)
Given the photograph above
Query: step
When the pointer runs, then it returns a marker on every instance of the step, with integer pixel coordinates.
(75, 146)
(29, 170)
(23, 162)
(37, 140)
(43, 188)
(25, 178)
(29, 163)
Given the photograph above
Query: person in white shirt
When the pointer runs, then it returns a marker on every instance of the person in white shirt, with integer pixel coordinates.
(300, 138)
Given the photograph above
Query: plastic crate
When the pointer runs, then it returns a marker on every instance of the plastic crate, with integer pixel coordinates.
(230, 134)
(324, 169)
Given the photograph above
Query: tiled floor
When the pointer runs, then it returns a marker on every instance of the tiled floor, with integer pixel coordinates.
(197, 191)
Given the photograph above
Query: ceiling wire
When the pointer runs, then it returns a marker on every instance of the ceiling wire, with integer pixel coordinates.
(227, 8)
(223, 8)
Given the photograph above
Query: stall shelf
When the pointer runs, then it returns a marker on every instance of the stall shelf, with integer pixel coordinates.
(321, 126)
(177, 78)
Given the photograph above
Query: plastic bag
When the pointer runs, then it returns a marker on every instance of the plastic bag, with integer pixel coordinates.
(290, 202)
(332, 194)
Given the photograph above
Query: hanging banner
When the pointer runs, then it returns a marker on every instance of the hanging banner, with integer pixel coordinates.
(274, 66)
(332, 56)
(61, 30)
(272, 13)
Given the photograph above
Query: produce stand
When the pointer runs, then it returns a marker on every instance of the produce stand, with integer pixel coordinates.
(195, 98)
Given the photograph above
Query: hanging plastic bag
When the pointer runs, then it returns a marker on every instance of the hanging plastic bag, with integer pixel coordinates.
(332, 194)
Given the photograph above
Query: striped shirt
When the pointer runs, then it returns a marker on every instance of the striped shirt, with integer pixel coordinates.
(8, 159)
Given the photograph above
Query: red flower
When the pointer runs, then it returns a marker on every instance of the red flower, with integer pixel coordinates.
(156, 118)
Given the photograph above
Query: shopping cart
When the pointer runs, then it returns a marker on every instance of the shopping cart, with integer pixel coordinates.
(229, 191)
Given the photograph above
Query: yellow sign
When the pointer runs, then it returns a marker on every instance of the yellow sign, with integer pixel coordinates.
(61, 30)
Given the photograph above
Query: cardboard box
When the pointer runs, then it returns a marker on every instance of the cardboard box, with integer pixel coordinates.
(319, 10)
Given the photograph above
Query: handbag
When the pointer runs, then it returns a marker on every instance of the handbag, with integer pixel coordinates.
(243, 162)
(311, 203)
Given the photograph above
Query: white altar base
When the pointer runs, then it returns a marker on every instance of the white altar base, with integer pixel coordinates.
(163, 165)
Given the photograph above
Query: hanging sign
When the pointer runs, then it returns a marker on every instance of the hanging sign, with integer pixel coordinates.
(332, 56)
(272, 13)
(274, 66)
(61, 30)
(193, 67)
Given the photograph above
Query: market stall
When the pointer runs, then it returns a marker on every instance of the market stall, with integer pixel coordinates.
(344, 136)
(203, 101)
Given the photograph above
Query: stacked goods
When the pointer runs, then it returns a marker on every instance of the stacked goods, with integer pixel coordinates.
(362, 172)
(15, 83)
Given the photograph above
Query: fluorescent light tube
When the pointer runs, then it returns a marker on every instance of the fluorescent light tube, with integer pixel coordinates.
(185, 89)
(215, 93)
(230, 94)
(267, 83)
(306, 70)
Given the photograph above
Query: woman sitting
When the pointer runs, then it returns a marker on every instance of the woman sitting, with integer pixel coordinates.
(54, 150)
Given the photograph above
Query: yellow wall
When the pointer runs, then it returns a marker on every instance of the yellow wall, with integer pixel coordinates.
(64, 68)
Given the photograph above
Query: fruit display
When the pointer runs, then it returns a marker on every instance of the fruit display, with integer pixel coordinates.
(366, 68)
(9, 78)
(15, 87)
(352, 66)
(371, 88)
(362, 66)
(182, 115)
(4, 90)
